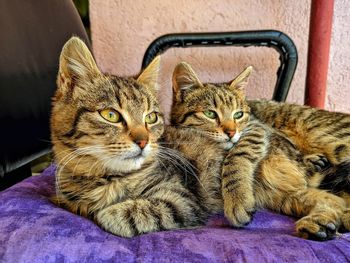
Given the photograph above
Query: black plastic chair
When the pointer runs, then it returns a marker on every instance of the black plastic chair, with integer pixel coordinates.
(265, 38)
(32, 35)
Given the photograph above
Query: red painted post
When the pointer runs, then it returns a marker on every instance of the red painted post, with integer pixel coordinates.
(318, 52)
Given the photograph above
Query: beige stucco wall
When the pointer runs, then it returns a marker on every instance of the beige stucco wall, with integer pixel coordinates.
(122, 30)
(338, 90)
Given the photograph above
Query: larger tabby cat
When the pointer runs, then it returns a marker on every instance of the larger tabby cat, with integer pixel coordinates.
(264, 168)
(112, 167)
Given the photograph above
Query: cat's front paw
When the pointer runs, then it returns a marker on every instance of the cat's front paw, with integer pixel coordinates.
(239, 211)
(316, 162)
(318, 227)
(129, 218)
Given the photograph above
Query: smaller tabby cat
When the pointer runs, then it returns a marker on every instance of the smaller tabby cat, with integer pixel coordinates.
(111, 165)
(264, 169)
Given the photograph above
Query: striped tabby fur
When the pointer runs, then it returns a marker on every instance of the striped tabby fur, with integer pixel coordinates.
(314, 131)
(264, 169)
(112, 166)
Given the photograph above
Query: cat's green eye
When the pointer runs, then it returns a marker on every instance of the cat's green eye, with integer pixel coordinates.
(210, 114)
(151, 118)
(111, 115)
(238, 115)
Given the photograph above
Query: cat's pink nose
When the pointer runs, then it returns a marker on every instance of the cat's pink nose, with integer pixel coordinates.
(230, 133)
(139, 135)
(142, 143)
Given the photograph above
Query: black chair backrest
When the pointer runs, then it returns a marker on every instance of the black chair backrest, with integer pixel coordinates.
(33, 33)
(266, 38)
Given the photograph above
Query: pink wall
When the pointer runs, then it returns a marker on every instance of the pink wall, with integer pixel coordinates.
(338, 91)
(122, 30)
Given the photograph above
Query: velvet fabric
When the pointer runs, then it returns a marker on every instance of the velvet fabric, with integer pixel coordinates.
(32, 229)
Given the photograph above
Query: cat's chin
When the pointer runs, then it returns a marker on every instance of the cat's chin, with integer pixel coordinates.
(226, 145)
(236, 137)
(126, 165)
(132, 161)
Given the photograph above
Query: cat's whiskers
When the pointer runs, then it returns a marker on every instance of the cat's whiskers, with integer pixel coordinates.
(87, 184)
(177, 156)
(62, 165)
(80, 152)
(77, 163)
(64, 152)
(110, 156)
(177, 159)
(99, 161)
(175, 142)
(67, 158)
(163, 165)
(105, 165)
(174, 163)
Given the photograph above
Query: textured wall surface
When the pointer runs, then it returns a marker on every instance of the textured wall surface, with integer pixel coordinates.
(338, 92)
(122, 30)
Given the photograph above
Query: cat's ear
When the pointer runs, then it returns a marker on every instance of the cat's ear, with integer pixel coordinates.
(184, 78)
(241, 80)
(76, 62)
(149, 77)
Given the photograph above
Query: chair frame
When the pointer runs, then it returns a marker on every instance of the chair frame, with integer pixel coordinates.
(263, 38)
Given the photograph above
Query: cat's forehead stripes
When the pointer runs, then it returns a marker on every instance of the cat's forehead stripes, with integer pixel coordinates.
(131, 96)
(213, 96)
(222, 97)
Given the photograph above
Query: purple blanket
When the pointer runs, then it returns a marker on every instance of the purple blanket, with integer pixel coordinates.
(34, 230)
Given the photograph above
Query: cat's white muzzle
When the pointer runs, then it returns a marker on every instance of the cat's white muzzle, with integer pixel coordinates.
(129, 161)
(236, 137)
(227, 145)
